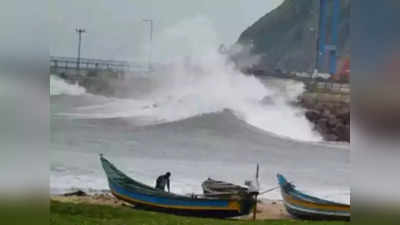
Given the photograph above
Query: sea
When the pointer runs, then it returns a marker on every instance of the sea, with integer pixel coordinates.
(216, 123)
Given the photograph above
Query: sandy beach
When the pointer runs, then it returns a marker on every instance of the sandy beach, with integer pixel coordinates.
(266, 209)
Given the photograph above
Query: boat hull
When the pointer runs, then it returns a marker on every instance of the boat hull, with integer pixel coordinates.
(185, 211)
(303, 206)
(215, 187)
(146, 197)
(310, 215)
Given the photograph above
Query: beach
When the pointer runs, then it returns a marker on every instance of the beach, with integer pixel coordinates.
(266, 209)
(194, 138)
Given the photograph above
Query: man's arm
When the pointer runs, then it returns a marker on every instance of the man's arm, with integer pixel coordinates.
(168, 185)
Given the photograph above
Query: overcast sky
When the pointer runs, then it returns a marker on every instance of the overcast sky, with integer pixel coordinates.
(115, 29)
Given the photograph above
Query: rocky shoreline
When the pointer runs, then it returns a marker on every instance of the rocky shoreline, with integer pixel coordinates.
(330, 114)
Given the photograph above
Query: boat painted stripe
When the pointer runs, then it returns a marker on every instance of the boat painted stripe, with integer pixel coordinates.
(329, 213)
(302, 196)
(316, 200)
(230, 205)
(313, 205)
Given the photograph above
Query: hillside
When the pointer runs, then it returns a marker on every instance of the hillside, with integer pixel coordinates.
(285, 39)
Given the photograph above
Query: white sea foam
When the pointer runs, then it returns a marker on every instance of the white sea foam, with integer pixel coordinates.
(199, 80)
(59, 86)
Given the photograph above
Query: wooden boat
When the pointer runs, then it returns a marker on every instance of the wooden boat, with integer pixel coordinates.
(304, 206)
(213, 187)
(144, 196)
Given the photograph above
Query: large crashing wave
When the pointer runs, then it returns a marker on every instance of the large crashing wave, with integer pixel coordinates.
(58, 86)
(204, 81)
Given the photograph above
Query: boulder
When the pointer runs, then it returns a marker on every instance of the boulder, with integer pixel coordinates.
(313, 115)
(76, 193)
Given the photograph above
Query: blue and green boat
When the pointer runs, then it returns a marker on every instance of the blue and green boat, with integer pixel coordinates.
(147, 197)
(304, 206)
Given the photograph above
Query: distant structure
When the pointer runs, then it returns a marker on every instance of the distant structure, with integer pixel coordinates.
(79, 31)
(150, 21)
(67, 65)
(324, 48)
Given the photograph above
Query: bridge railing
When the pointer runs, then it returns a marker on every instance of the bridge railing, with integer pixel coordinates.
(71, 63)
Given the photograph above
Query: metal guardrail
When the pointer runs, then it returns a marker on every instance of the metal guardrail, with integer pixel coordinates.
(64, 64)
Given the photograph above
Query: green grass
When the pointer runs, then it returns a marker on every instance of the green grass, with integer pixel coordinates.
(84, 214)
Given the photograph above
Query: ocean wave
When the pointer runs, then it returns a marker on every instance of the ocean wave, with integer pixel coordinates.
(207, 82)
(58, 86)
(267, 108)
(91, 179)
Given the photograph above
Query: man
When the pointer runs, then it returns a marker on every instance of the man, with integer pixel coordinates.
(162, 181)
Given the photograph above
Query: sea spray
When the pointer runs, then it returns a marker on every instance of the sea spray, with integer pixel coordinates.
(58, 86)
(197, 80)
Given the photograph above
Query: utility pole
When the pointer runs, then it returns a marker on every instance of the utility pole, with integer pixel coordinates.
(79, 31)
(150, 21)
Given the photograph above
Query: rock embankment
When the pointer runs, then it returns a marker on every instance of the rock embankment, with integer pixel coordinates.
(330, 114)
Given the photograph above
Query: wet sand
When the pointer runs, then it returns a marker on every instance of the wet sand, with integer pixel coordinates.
(271, 209)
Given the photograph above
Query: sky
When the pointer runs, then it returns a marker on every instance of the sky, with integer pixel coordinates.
(115, 29)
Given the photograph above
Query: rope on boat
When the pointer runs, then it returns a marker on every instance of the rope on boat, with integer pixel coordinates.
(269, 190)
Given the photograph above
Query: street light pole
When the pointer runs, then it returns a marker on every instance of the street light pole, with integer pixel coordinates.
(150, 21)
(79, 31)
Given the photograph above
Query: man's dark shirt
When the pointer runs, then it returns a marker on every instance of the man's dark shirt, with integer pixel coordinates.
(162, 181)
